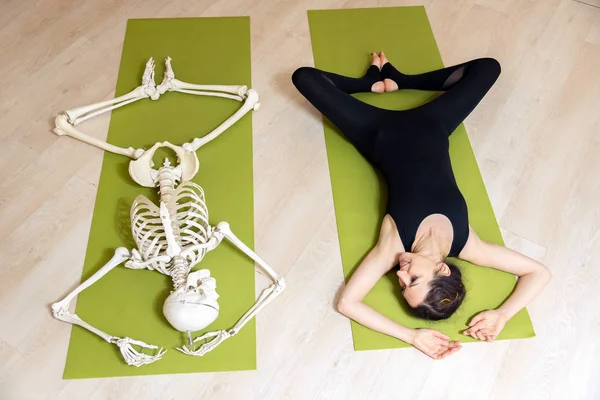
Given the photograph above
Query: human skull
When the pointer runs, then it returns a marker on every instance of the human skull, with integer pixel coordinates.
(195, 306)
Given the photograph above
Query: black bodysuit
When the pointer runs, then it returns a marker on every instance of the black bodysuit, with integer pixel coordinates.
(410, 147)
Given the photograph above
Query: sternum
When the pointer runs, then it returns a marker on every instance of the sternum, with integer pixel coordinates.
(179, 265)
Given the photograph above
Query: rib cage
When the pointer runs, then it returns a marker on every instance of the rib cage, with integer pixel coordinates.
(189, 216)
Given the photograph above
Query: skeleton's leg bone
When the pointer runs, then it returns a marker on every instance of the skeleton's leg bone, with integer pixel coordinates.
(80, 114)
(264, 298)
(214, 94)
(169, 83)
(63, 127)
(241, 91)
(251, 103)
(146, 89)
(61, 311)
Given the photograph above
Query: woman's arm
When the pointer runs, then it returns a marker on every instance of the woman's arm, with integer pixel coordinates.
(382, 258)
(376, 264)
(533, 277)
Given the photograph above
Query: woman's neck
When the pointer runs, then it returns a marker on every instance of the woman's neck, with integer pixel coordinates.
(432, 245)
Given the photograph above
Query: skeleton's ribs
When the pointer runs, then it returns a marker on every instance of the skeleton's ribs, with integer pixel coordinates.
(224, 230)
(61, 312)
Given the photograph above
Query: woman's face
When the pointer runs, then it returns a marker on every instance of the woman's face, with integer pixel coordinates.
(415, 274)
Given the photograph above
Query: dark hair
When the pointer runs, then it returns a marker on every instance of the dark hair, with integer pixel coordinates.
(445, 295)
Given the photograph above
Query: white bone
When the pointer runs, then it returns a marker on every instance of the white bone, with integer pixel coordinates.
(239, 90)
(168, 77)
(146, 89)
(170, 83)
(136, 262)
(266, 296)
(173, 248)
(79, 114)
(176, 235)
(250, 104)
(134, 357)
(195, 306)
(218, 338)
(63, 127)
(141, 170)
(61, 311)
(214, 94)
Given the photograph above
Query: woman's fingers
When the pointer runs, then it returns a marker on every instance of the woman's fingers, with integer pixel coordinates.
(474, 327)
(477, 319)
(445, 352)
(477, 330)
(442, 350)
(441, 335)
(453, 350)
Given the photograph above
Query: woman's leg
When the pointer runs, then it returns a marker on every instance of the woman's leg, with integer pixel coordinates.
(464, 86)
(330, 94)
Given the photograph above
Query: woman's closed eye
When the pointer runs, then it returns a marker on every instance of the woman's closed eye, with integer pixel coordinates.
(412, 281)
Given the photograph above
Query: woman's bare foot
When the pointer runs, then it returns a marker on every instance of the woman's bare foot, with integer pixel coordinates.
(389, 85)
(377, 87)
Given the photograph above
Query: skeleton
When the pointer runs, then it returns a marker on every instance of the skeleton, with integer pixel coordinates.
(173, 237)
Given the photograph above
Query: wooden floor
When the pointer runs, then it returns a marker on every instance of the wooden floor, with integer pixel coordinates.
(537, 140)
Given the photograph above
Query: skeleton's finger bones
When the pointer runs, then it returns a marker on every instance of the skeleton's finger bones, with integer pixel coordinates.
(134, 357)
(218, 337)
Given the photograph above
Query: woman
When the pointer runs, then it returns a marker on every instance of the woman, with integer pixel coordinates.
(426, 219)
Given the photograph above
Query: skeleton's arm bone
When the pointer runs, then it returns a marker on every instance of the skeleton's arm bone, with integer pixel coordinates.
(251, 103)
(225, 229)
(269, 293)
(63, 127)
(61, 311)
(264, 298)
(121, 255)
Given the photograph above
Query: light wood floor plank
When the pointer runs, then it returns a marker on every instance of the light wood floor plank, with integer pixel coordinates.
(536, 136)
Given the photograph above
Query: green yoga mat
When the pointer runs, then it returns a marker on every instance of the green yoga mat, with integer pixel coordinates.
(341, 42)
(129, 302)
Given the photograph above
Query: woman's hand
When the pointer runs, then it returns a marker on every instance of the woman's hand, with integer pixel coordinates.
(486, 325)
(433, 343)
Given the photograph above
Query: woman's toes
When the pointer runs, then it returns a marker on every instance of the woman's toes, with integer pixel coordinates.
(376, 61)
(383, 58)
(378, 87)
(390, 85)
